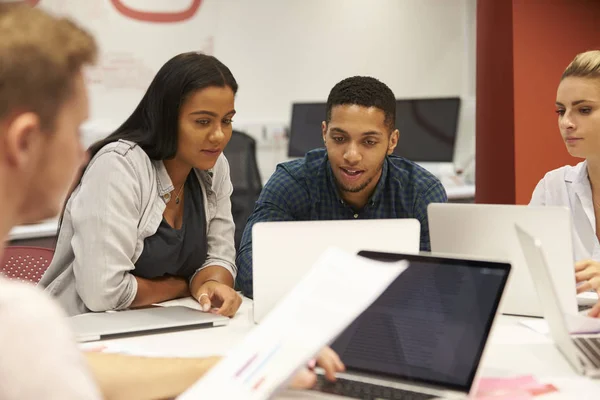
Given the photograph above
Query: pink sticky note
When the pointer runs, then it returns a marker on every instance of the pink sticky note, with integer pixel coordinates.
(514, 388)
(507, 396)
(495, 384)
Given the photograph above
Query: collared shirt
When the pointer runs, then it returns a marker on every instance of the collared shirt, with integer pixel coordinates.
(570, 187)
(305, 190)
(119, 203)
(39, 357)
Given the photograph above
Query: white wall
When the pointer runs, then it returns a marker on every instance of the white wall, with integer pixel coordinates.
(282, 51)
(296, 50)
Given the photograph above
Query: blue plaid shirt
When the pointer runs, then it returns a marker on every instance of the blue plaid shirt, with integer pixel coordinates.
(305, 190)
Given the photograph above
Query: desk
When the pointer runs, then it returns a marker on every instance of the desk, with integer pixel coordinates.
(48, 228)
(513, 350)
(45, 228)
(460, 192)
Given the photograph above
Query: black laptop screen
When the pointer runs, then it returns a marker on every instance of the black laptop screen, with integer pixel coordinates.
(430, 325)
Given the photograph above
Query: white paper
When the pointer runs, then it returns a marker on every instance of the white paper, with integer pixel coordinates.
(581, 324)
(575, 387)
(338, 288)
(576, 324)
(536, 324)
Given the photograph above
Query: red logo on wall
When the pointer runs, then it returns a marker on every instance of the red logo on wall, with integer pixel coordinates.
(155, 16)
(32, 3)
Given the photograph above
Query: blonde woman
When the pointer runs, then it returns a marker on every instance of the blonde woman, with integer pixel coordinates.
(578, 187)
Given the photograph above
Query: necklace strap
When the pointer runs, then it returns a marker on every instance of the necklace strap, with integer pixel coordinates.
(180, 189)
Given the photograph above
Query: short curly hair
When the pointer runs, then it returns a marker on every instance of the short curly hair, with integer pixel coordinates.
(364, 91)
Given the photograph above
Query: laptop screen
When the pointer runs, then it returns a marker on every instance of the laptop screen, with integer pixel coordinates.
(430, 325)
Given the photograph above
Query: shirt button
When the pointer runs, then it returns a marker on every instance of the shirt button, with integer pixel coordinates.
(167, 196)
(355, 215)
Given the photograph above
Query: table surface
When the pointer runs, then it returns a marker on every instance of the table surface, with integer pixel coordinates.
(513, 350)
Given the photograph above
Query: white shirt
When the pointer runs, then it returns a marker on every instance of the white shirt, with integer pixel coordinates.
(118, 204)
(38, 355)
(570, 187)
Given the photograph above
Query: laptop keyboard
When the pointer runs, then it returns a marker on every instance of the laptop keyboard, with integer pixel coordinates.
(590, 346)
(367, 391)
(582, 308)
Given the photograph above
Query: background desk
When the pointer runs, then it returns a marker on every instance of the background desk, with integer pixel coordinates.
(513, 350)
(44, 234)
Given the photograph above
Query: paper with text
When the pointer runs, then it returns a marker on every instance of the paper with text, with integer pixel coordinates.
(338, 288)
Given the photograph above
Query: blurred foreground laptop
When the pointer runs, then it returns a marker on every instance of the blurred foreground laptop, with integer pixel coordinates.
(97, 326)
(283, 252)
(582, 351)
(488, 231)
(425, 336)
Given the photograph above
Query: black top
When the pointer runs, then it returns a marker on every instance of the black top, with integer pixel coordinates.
(177, 252)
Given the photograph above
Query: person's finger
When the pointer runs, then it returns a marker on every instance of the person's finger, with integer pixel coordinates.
(594, 311)
(581, 265)
(595, 282)
(585, 275)
(204, 301)
(230, 302)
(584, 287)
(339, 365)
(328, 364)
(304, 379)
(330, 353)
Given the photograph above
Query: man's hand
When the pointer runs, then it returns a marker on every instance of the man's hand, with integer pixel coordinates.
(326, 359)
(212, 294)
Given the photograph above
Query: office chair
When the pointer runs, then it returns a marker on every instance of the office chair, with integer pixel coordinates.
(245, 178)
(25, 263)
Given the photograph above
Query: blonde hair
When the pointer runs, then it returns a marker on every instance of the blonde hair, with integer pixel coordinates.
(584, 65)
(39, 57)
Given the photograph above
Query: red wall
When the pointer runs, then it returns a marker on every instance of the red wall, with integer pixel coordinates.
(548, 36)
(494, 144)
(543, 36)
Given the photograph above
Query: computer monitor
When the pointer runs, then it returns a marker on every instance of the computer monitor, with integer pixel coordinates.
(427, 128)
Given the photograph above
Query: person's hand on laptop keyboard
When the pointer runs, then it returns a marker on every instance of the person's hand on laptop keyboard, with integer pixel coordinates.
(587, 275)
(326, 359)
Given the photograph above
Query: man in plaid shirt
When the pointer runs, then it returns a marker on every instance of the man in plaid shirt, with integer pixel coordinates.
(354, 177)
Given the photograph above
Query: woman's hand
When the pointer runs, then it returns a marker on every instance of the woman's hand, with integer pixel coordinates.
(587, 275)
(213, 294)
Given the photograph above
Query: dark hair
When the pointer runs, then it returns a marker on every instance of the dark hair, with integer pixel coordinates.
(154, 123)
(364, 91)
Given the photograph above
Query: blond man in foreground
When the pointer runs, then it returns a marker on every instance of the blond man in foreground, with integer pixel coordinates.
(43, 102)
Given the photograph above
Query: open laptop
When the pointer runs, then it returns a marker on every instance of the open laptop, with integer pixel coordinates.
(488, 231)
(425, 336)
(582, 351)
(97, 326)
(283, 252)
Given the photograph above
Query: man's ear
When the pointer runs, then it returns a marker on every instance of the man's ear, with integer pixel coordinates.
(393, 141)
(324, 130)
(22, 138)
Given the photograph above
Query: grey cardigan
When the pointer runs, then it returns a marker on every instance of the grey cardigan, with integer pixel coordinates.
(120, 202)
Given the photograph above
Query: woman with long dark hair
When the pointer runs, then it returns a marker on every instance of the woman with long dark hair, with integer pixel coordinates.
(150, 219)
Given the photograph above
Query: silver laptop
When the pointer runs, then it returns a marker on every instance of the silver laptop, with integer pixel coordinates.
(283, 252)
(488, 231)
(582, 351)
(97, 326)
(425, 336)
